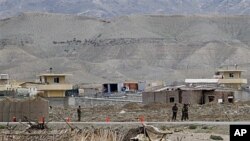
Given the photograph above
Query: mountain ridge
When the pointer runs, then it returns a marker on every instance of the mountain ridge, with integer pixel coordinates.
(113, 8)
(136, 47)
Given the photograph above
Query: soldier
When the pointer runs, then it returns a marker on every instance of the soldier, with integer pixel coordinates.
(79, 112)
(174, 110)
(184, 112)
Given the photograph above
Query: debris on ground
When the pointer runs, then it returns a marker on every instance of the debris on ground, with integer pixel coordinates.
(114, 133)
(132, 106)
(158, 112)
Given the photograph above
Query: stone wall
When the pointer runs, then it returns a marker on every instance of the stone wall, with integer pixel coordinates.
(191, 96)
(161, 97)
(219, 95)
(87, 102)
(185, 96)
(32, 108)
(148, 97)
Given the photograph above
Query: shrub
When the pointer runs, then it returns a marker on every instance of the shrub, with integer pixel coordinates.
(213, 137)
(2, 127)
(204, 127)
(192, 127)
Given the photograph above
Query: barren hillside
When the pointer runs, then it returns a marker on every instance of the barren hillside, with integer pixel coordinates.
(144, 47)
(113, 8)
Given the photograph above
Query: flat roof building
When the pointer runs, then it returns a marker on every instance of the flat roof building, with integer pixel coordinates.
(231, 78)
(4, 79)
(54, 84)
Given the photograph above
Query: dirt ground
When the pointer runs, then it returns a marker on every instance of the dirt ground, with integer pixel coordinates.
(155, 112)
(116, 133)
(132, 112)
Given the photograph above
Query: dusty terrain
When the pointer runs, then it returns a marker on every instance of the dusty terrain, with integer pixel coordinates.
(155, 112)
(132, 112)
(137, 47)
(114, 132)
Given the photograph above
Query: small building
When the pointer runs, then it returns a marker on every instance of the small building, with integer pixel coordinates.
(53, 85)
(72, 93)
(4, 84)
(7, 87)
(135, 86)
(161, 95)
(131, 85)
(112, 87)
(128, 86)
(206, 95)
(228, 78)
(4, 79)
(31, 86)
(220, 96)
(188, 95)
(231, 78)
(87, 89)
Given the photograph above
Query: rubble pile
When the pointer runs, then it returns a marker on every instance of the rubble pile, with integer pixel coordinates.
(87, 134)
(132, 106)
(83, 132)
(220, 112)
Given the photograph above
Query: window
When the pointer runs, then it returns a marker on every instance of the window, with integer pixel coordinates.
(231, 75)
(230, 99)
(220, 100)
(171, 99)
(56, 80)
(210, 98)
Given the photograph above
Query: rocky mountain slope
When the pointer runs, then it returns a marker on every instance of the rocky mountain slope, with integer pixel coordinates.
(149, 47)
(110, 8)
